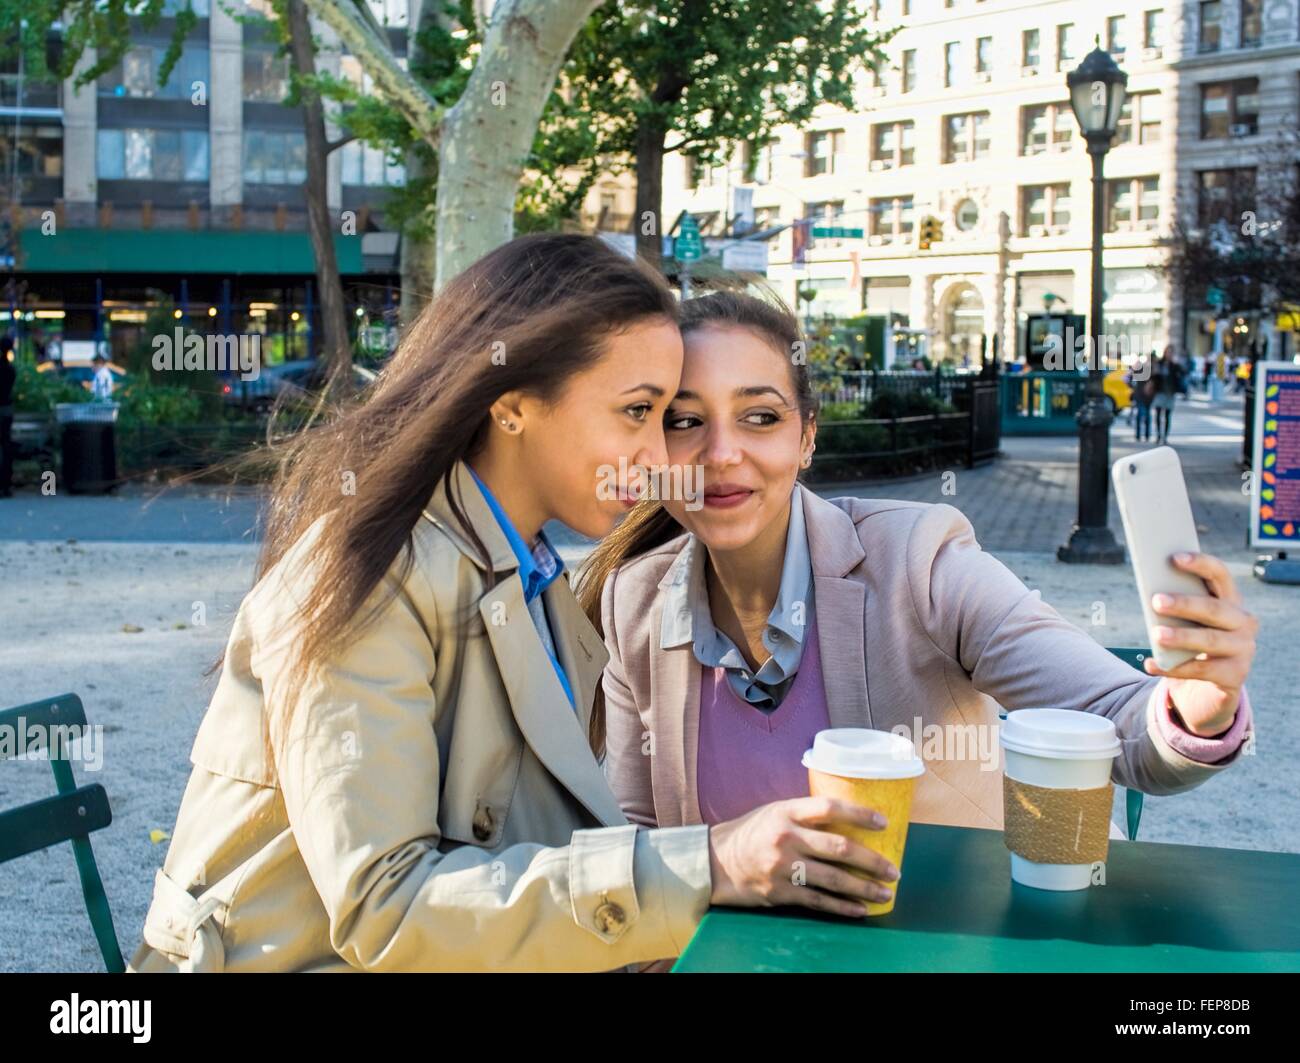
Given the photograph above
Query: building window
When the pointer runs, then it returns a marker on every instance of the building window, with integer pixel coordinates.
(909, 70)
(1251, 23)
(1065, 40)
(272, 157)
(822, 148)
(966, 136)
(950, 74)
(266, 76)
(1211, 25)
(1224, 195)
(1046, 127)
(756, 163)
(984, 55)
(1230, 108)
(136, 75)
(364, 164)
(893, 144)
(826, 213)
(1045, 210)
(891, 219)
(1141, 113)
(1029, 49)
(1153, 29)
(38, 151)
(967, 215)
(1132, 204)
(152, 154)
(1115, 35)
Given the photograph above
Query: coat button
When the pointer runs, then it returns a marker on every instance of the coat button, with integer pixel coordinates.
(483, 822)
(609, 917)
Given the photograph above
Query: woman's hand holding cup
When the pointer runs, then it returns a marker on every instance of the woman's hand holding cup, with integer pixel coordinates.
(784, 853)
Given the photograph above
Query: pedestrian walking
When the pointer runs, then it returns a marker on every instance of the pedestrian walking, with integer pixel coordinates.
(1167, 378)
(1144, 390)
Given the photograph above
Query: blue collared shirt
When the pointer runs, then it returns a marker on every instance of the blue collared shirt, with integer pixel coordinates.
(538, 569)
(687, 619)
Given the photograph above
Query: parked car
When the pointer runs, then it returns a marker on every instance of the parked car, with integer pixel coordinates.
(292, 379)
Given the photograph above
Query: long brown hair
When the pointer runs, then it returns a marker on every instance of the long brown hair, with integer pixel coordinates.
(649, 524)
(527, 316)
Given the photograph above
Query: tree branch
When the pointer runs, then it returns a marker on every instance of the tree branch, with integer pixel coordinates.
(357, 33)
(334, 145)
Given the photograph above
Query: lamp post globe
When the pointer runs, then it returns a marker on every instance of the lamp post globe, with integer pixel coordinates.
(1097, 87)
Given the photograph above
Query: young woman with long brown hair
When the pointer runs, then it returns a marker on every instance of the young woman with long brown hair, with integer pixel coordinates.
(739, 628)
(394, 772)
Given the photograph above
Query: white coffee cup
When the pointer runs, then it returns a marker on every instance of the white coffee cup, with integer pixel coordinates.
(1060, 749)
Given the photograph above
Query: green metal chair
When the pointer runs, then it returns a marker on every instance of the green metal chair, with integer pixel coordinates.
(70, 816)
(1132, 798)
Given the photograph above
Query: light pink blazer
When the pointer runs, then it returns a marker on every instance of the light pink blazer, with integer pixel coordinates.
(913, 620)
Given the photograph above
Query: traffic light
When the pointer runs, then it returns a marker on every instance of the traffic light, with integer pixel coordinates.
(930, 232)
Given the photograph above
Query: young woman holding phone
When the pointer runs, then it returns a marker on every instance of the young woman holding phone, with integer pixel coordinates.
(740, 628)
(394, 772)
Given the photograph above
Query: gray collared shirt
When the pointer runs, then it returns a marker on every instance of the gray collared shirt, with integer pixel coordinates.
(687, 619)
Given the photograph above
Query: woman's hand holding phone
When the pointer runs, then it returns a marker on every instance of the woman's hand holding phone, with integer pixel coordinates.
(781, 853)
(1207, 689)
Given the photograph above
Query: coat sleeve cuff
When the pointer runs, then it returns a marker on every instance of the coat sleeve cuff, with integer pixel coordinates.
(1213, 749)
(673, 875)
(654, 883)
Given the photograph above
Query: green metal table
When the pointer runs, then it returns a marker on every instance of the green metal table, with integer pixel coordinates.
(1163, 908)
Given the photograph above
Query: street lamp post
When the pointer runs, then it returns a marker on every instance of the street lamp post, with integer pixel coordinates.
(1097, 96)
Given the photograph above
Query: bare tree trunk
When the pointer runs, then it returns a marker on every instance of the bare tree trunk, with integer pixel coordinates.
(487, 135)
(650, 135)
(335, 348)
(417, 259)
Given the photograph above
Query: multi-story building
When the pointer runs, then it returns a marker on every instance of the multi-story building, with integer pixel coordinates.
(123, 195)
(970, 123)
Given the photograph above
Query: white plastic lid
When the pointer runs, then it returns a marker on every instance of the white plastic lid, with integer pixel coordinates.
(1065, 734)
(859, 753)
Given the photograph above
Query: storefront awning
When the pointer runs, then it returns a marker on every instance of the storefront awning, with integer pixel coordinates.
(172, 251)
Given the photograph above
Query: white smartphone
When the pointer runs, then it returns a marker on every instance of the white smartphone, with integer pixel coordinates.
(1158, 523)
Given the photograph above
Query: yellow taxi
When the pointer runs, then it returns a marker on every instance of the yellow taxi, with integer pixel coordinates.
(1118, 389)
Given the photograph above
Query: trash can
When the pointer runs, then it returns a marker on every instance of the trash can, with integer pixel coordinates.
(89, 449)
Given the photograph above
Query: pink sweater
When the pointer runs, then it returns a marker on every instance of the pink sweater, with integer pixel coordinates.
(748, 757)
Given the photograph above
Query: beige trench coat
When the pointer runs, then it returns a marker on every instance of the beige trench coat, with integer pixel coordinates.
(436, 807)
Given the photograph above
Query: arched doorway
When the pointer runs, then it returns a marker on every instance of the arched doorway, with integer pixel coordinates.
(963, 324)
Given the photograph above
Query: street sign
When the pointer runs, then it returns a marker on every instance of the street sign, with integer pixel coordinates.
(1275, 485)
(839, 231)
(687, 247)
(748, 256)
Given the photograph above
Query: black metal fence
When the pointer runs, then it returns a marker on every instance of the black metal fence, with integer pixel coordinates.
(895, 423)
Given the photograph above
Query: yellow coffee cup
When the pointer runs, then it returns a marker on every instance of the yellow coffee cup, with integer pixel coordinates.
(872, 768)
